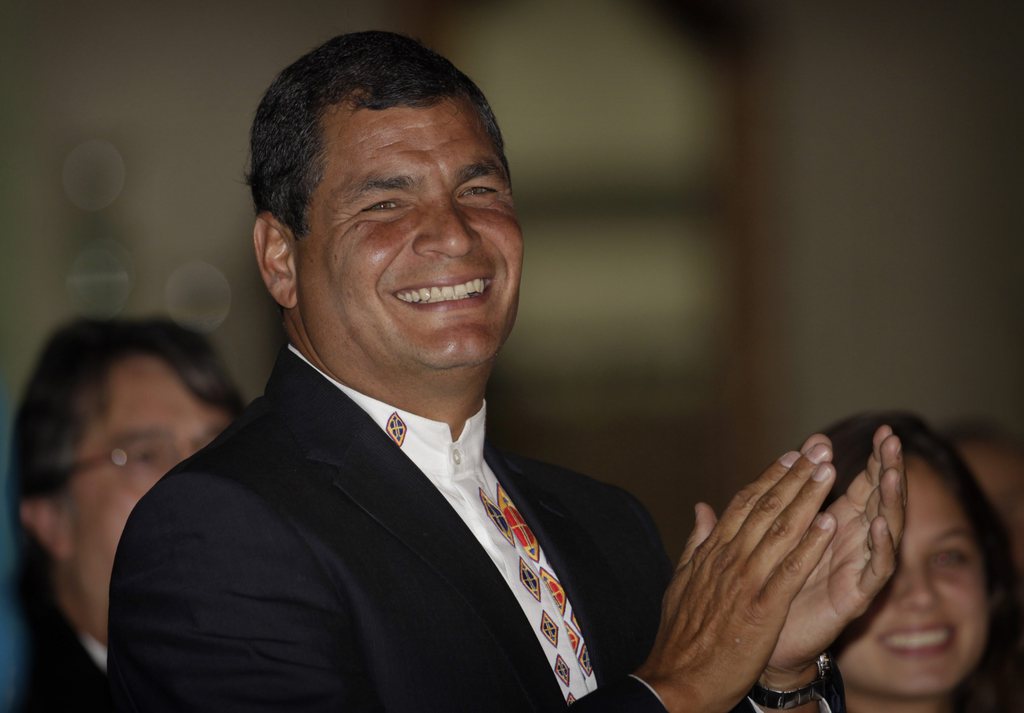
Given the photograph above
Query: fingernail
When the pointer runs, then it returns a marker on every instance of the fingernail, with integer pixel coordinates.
(824, 521)
(819, 453)
(823, 472)
(789, 459)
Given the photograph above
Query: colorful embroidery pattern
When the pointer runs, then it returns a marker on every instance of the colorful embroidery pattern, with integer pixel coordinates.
(520, 529)
(397, 429)
(562, 670)
(557, 593)
(574, 638)
(495, 516)
(529, 579)
(584, 659)
(536, 578)
(549, 628)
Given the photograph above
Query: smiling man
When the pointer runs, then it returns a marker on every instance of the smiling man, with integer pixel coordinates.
(407, 282)
(353, 543)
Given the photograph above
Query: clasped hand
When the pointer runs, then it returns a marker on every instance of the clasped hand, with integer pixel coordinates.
(763, 590)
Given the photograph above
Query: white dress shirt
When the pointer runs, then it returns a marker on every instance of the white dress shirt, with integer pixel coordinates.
(460, 473)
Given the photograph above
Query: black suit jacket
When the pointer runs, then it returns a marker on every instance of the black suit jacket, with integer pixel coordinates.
(302, 562)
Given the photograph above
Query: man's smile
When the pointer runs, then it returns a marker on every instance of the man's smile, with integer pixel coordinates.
(446, 293)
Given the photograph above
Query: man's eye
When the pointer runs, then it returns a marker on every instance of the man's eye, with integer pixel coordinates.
(149, 455)
(477, 190)
(383, 205)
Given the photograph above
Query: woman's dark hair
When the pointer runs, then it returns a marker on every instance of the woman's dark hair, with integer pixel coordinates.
(67, 388)
(366, 70)
(989, 687)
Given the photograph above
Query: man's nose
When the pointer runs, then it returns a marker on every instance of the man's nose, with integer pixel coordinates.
(445, 230)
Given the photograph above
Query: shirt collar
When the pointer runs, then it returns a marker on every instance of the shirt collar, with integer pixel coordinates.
(428, 443)
(97, 651)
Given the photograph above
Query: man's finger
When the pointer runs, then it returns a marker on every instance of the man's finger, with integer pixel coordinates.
(813, 440)
(865, 485)
(705, 521)
(796, 567)
(781, 534)
(883, 559)
(875, 465)
(891, 454)
(892, 507)
(816, 449)
(781, 514)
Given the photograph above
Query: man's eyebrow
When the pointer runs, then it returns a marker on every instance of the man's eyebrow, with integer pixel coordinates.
(343, 195)
(380, 183)
(384, 183)
(481, 169)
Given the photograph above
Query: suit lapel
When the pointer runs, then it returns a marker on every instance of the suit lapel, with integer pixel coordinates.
(388, 487)
(576, 558)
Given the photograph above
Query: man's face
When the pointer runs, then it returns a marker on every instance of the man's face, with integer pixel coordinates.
(147, 421)
(410, 271)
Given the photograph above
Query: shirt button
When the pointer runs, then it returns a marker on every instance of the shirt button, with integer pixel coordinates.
(457, 456)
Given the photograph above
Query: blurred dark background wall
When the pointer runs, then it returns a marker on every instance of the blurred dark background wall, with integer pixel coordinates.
(743, 220)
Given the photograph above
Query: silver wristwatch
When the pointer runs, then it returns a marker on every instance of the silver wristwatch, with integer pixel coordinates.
(784, 700)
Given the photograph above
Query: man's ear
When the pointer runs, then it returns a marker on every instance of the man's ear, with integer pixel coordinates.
(48, 519)
(275, 255)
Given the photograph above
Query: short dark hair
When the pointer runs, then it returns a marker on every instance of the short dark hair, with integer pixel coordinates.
(851, 441)
(368, 70)
(66, 388)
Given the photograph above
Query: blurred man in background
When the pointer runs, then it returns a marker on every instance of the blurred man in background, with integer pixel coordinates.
(110, 408)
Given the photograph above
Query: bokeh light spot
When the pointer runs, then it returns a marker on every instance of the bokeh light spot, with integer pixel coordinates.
(100, 279)
(93, 174)
(198, 296)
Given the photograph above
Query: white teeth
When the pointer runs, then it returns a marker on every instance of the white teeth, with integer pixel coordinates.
(467, 289)
(918, 639)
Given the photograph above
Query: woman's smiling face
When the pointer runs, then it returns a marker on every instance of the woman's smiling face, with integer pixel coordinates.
(927, 630)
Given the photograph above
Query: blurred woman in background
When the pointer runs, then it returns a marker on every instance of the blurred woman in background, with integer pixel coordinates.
(940, 637)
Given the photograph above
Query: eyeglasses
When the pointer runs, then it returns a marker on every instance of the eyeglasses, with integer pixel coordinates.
(144, 455)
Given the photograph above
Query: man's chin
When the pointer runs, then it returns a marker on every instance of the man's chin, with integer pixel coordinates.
(463, 349)
(461, 360)
(453, 365)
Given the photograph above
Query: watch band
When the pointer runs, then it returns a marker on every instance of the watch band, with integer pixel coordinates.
(784, 700)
